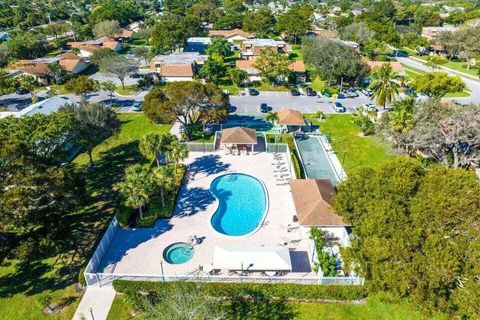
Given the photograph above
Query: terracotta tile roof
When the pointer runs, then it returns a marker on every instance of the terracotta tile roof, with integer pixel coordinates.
(176, 70)
(290, 117)
(230, 33)
(313, 200)
(297, 66)
(32, 67)
(123, 33)
(247, 65)
(111, 44)
(324, 33)
(89, 47)
(239, 135)
(69, 61)
(396, 66)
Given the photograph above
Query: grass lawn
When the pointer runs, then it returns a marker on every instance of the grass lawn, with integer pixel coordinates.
(296, 53)
(413, 72)
(267, 87)
(21, 284)
(460, 66)
(127, 91)
(351, 147)
(372, 310)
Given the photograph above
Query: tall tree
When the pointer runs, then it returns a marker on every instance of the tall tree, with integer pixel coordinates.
(153, 144)
(237, 76)
(107, 28)
(274, 67)
(142, 53)
(119, 66)
(438, 84)
(93, 123)
(189, 103)
(136, 187)
(410, 224)
(384, 85)
(81, 86)
(177, 153)
(295, 22)
(261, 22)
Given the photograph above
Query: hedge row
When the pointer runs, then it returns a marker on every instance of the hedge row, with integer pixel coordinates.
(228, 289)
(297, 165)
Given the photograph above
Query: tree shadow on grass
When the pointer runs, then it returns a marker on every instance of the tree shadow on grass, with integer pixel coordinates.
(257, 306)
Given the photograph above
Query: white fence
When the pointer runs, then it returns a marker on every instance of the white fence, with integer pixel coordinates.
(91, 277)
(108, 278)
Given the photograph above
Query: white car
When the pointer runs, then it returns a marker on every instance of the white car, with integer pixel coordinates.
(137, 106)
(370, 107)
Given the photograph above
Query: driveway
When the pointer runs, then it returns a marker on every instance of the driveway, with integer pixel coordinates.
(15, 102)
(284, 100)
(472, 85)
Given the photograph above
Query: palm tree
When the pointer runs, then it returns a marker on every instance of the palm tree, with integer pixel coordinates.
(385, 85)
(152, 144)
(401, 119)
(178, 152)
(163, 178)
(135, 187)
(272, 117)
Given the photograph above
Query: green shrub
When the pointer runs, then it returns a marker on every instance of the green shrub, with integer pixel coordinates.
(295, 158)
(81, 277)
(123, 215)
(324, 260)
(227, 289)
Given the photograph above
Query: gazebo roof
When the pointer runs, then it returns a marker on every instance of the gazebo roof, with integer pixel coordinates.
(290, 117)
(239, 135)
(312, 202)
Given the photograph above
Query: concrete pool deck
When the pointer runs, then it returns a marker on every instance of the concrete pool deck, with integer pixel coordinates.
(139, 251)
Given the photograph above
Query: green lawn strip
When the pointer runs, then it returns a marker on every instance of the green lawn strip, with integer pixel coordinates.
(20, 285)
(267, 87)
(299, 173)
(353, 149)
(460, 66)
(127, 91)
(413, 72)
(296, 53)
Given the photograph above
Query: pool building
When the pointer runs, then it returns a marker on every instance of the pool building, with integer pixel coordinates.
(240, 212)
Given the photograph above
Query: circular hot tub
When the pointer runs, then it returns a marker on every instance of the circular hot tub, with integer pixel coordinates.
(178, 253)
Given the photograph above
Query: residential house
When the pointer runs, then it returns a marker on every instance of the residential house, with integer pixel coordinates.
(134, 26)
(87, 48)
(253, 47)
(46, 106)
(178, 66)
(396, 66)
(72, 63)
(123, 34)
(297, 67)
(38, 68)
(432, 32)
(232, 35)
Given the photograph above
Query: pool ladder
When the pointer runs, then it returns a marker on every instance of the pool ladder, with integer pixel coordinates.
(232, 177)
(191, 242)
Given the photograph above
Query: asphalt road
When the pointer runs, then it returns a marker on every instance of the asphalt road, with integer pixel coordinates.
(284, 100)
(472, 85)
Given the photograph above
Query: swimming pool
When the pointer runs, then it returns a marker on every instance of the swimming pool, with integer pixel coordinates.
(178, 253)
(242, 204)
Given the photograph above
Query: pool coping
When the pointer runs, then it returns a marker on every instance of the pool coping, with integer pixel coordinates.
(262, 220)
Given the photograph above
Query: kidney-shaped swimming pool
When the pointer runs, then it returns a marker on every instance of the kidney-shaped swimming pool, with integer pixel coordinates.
(242, 204)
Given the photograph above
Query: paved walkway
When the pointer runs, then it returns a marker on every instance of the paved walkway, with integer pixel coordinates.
(98, 300)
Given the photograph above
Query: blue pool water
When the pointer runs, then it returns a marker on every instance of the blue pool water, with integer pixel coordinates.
(242, 204)
(178, 253)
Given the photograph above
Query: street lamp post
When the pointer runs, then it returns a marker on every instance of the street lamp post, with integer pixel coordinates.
(161, 268)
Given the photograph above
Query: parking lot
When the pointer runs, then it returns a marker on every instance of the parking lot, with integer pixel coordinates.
(284, 100)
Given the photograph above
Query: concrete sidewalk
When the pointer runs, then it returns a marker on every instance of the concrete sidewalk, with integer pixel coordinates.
(98, 300)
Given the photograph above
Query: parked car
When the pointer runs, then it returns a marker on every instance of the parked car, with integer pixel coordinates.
(352, 93)
(369, 107)
(21, 90)
(137, 106)
(341, 95)
(326, 93)
(367, 92)
(231, 109)
(339, 107)
(310, 92)
(294, 92)
(253, 92)
(135, 75)
(264, 108)
(410, 92)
